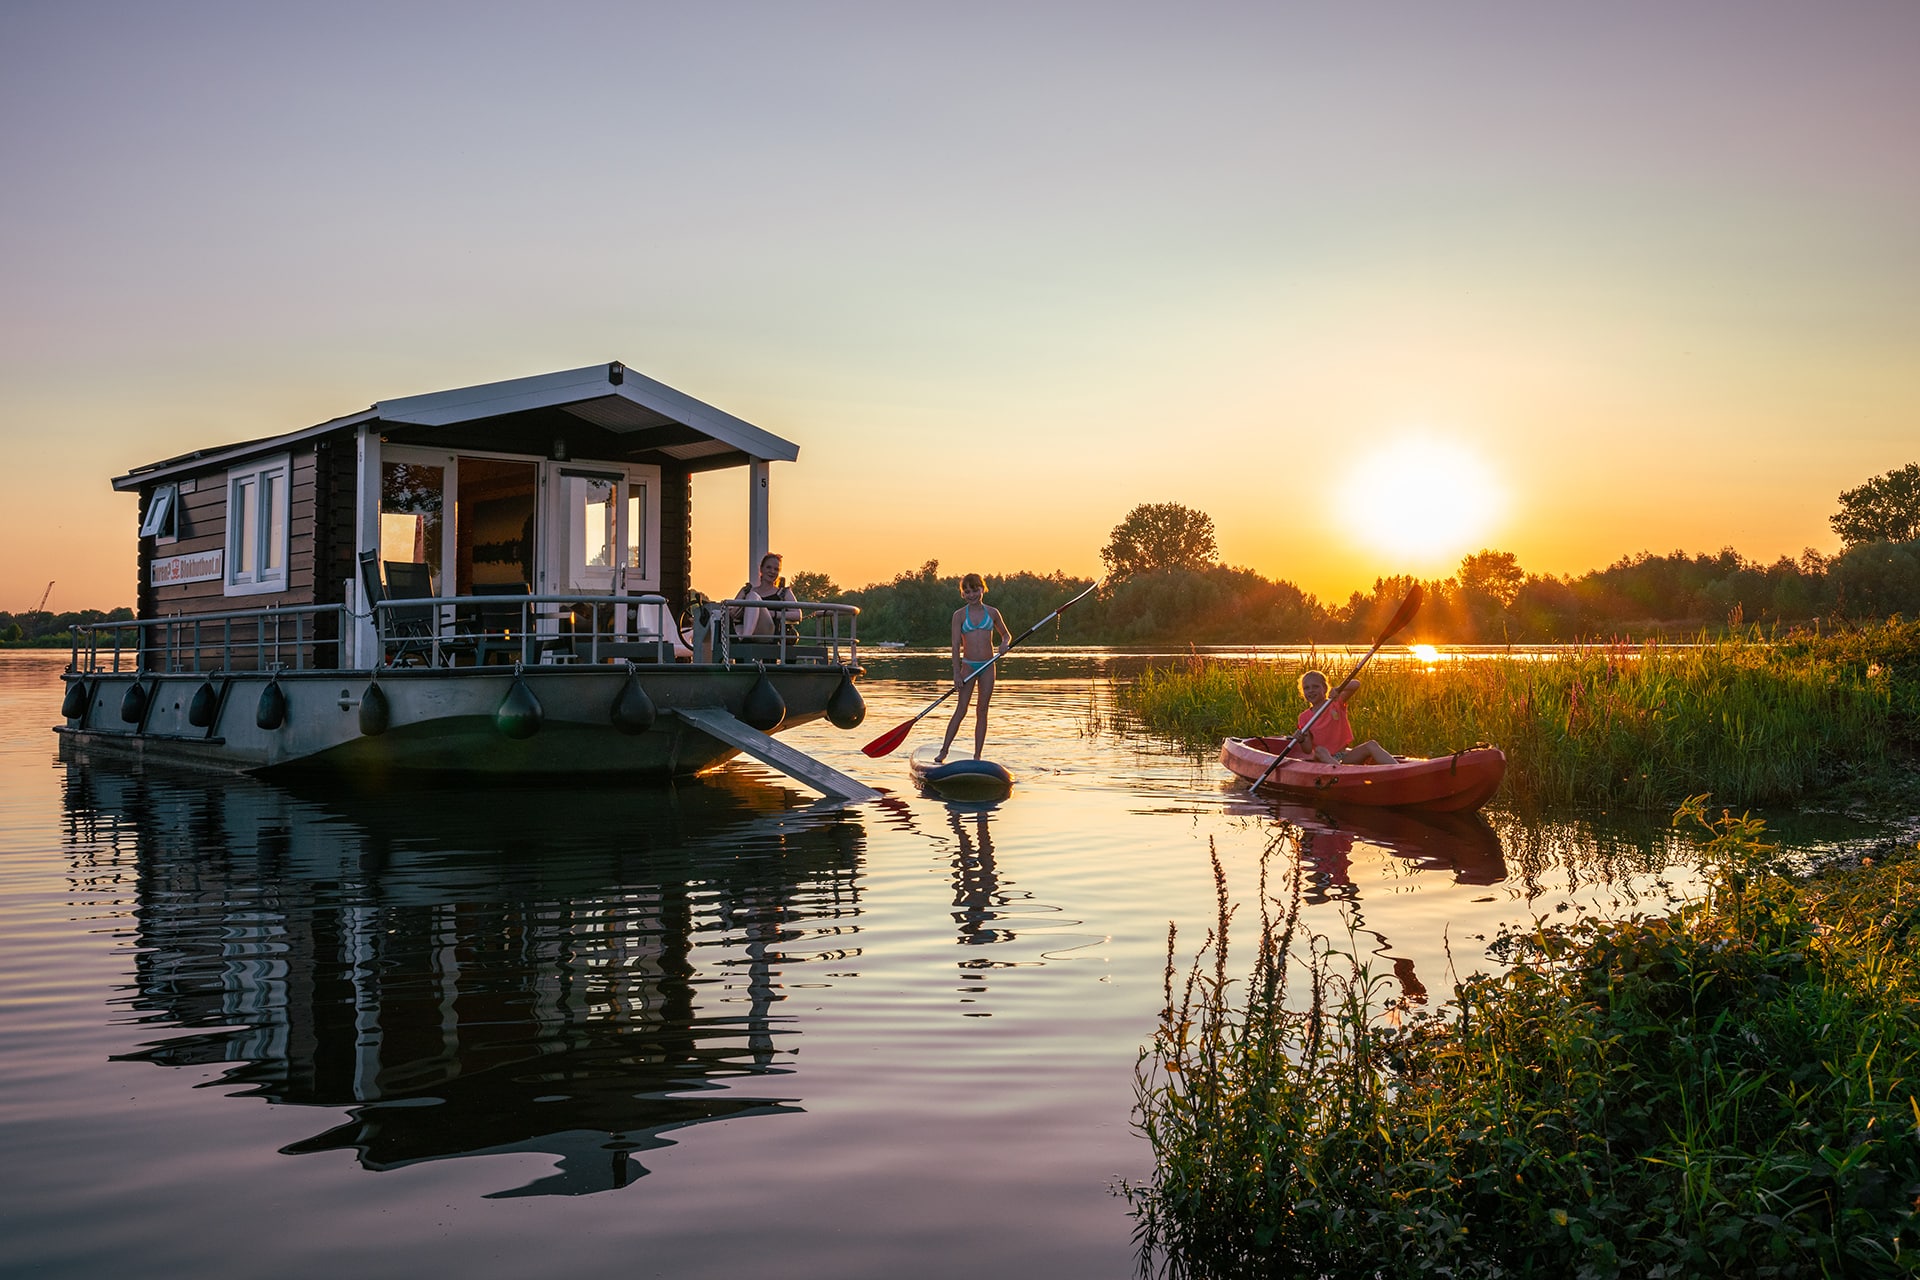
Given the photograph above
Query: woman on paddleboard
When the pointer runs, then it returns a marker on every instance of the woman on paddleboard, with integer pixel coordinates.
(1330, 741)
(977, 626)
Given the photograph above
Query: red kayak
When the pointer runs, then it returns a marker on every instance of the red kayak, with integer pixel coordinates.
(1463, 780)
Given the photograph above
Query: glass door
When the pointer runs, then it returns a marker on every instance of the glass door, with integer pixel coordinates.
(603, 533)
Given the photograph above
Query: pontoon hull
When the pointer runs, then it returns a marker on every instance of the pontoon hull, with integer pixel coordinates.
(438, 721)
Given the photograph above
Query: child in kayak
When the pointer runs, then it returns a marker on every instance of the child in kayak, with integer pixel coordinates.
(1331, 739)
(976, 626)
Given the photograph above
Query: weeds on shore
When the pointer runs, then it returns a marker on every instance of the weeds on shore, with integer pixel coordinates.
(1729, 1089)
(1610, 726)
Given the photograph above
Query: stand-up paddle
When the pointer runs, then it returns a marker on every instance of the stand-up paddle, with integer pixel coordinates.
(1401, 617)
(886, 743)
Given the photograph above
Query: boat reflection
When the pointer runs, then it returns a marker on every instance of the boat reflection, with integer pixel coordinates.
(1462, 846)
(466, 972)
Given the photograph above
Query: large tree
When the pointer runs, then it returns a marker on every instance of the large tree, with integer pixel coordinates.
(1159, 535)
(1494, 574)
(1884, 509)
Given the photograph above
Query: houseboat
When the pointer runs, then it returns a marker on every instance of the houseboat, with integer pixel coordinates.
(494, 580)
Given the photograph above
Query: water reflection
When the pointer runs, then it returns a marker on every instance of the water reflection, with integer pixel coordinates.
(1462, 846)
(576, 973)
(978, 900)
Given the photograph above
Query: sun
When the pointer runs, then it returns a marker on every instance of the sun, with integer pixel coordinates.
(1421, 499)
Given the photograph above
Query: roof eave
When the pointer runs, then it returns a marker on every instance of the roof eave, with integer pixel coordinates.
(578, 386)
(212, 459)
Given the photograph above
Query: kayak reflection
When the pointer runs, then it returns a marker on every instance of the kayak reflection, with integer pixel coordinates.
(575, 973)
(1461, 845)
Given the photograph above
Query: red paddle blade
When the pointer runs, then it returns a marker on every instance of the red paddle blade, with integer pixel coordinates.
(885, 744)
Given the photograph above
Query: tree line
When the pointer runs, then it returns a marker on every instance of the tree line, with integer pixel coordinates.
(38, 628)
(1164, 585)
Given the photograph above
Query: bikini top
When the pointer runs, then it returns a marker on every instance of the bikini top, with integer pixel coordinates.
(966, 619)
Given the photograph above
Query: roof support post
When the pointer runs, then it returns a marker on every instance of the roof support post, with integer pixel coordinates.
(757, 535)
(366, 537)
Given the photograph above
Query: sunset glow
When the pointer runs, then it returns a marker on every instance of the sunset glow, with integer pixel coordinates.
(1422, 500)
(1526, 278)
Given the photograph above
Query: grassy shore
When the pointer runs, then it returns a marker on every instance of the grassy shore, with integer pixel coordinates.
(1726, 1090)
(1754, 722)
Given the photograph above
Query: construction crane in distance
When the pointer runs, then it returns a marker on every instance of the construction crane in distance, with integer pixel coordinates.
(44, 597)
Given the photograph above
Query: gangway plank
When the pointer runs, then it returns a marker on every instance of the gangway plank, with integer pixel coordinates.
(791, 761)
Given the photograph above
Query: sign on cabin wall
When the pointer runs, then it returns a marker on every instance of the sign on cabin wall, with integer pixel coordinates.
(201, 566)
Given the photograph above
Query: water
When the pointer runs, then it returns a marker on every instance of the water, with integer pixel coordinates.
(712, 1030)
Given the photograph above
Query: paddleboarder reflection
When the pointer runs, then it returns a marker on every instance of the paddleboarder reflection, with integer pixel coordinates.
(977, 625)
(977, 899)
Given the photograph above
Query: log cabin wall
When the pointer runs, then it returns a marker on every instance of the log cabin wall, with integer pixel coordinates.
(676, 535)
(336, 494)
(319, 558)
(202, 527)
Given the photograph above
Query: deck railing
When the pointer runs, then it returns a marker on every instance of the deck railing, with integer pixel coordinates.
(292, 638)
(801, 629)
(573, 628)
(469, 630)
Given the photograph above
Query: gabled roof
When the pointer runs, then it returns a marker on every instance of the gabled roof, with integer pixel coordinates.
(610, 398)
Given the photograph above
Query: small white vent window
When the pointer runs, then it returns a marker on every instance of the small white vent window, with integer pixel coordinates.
(162, 520)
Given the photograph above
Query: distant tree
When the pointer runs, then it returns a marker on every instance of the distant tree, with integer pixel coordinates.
(1884, 509)
(813, 586)
(13, 634)
(1495, 574)
(1159, 535)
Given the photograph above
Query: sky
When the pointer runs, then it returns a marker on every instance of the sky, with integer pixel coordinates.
(1373, 286)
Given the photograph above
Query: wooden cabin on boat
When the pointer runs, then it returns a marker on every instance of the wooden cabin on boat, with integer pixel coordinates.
(507, 570)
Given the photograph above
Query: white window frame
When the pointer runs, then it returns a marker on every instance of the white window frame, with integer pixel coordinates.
(163, 515)
(245, 576)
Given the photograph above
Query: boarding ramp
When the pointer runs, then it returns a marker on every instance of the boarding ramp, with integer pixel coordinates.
(791, 761)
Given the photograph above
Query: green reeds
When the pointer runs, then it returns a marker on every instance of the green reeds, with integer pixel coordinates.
(1754, 723)
(1727, 1090)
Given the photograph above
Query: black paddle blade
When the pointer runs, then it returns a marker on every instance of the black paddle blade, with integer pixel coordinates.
(1404, 614)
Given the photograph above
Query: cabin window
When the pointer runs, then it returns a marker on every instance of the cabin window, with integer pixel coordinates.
(257, 528)
(163, 521)
(412, 511)
(637, 528)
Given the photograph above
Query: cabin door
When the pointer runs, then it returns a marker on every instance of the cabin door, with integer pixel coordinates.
(602, 533)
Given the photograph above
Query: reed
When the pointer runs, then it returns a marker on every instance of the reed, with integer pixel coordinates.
(1752, 722)
(1726, 1090)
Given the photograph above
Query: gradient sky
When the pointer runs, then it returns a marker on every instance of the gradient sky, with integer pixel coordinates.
(1004, 271)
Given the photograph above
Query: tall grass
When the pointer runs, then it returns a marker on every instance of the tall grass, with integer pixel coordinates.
(1754, 723)
(1726, 1090)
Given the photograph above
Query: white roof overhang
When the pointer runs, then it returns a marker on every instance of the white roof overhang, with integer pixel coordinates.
(609, 397)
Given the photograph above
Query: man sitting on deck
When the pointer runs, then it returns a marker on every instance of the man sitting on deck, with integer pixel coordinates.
(1330, 741)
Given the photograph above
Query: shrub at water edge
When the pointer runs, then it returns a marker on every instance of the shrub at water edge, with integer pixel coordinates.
(1726, 1090)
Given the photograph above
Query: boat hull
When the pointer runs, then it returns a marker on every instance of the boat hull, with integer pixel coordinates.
(451, 722)
(1445, 784)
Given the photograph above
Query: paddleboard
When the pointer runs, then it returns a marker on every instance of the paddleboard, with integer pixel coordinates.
(961, 777)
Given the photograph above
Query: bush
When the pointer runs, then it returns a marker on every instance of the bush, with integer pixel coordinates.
(1729, 1089)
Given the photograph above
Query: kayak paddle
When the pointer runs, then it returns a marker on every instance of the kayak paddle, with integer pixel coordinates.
(892, 738)
(1401, 617)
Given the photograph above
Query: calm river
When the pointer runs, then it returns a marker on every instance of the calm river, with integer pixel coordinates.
(712, 1030)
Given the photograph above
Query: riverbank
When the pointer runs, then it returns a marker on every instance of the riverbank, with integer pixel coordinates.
(1726, 1089)
(1609, 726)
